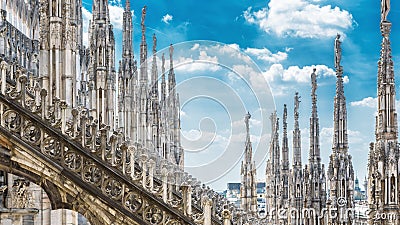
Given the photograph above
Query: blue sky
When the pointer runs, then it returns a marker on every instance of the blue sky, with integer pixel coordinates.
(285, 40)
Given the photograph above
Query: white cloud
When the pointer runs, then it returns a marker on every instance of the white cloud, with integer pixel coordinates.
(116, 16)
(167, 18)
(257, 81)
(190, 65)
(275, 71)
(346, 79)
(366, 102)
(297, 74)
(205, 57)
(300, 18)
(195, 47)
(234, 51)
(183, 114)
(266, 55)
(371, 102)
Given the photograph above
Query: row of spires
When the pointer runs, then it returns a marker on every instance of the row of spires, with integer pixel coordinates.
(298, 187)
(124, 98)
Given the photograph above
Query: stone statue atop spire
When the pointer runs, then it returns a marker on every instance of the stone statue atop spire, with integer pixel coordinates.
(143, 18)
(313, 84)
(248, 193)
(154, 43)
(296, 102)
(385, 8)
(338, 52)
(246, 120)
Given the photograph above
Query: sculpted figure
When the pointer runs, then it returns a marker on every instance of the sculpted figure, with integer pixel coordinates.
(313, 82)
(246, 120)
(338, 51)
(385, 8)
(296, 101)
(154, 43)
(143, 16)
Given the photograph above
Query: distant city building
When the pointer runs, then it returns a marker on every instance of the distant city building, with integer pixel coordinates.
(359, 195)
(233, 195)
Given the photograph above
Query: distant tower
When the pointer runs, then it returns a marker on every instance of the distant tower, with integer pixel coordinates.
(365, 185)
(340, 170)
(296, 175)
(248, 191)
(273, 190)
(383, 162)
(314, 188)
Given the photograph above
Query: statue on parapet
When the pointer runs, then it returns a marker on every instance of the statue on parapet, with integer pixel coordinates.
(385, 8)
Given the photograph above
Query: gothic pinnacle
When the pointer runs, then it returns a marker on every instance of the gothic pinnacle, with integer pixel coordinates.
(154, 77)
(171, 75)
(163, 93)
(314, 123)
(296, 133)
(285, 146)
(340, 112)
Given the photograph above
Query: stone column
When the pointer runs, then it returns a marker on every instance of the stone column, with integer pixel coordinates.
(132, 153)
(164, 177)
(151, 173)
(207, 203)
(143, 159)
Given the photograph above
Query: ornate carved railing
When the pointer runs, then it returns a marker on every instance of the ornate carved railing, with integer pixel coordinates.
(129, 177)
(80, 165)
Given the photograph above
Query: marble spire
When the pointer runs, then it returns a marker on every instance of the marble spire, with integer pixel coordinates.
(248, 191)
(314, 154)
